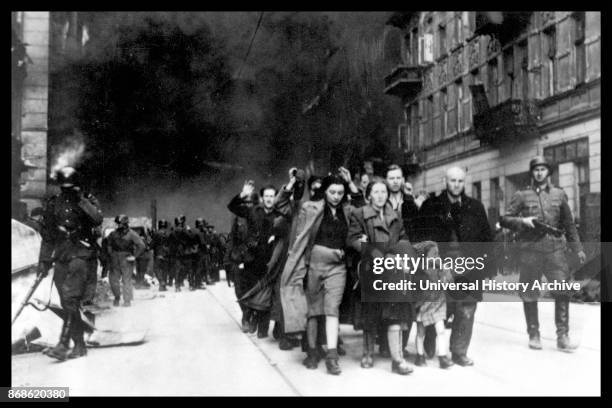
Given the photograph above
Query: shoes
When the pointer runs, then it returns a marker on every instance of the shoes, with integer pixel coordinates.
(178, 289)
(401, 367)
(445, 362)
(463, 361)
(286, 343)
(127, 303)
(162, 289)
(246, 325)
(312, 360)
(565, 344)
(367, 361)
(62, 349)
(59, 352)
(534, 342)
(79, 350)
(116, 302)
(262, 335)
(341, 350)
(420, 361)
(332, 366)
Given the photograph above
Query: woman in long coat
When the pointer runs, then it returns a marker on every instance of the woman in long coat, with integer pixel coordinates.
(318, 254)
(377, 223)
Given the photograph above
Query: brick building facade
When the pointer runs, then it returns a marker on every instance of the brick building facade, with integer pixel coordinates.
(487, 91)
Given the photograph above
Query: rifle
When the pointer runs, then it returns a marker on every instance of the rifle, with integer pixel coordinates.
(26, 300)
(545, 228)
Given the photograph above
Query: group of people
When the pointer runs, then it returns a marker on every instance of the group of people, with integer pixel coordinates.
(297, 260)
(300, 261)
(179, 253)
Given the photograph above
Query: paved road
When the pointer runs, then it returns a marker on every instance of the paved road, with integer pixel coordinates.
(194, 347)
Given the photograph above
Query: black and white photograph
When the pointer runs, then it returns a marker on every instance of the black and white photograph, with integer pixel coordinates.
(306, 203)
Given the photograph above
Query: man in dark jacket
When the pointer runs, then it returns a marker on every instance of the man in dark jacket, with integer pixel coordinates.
(450, 219)
(259, 241)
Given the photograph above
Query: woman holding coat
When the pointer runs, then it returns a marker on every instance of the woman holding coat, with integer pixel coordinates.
(377, 223)
(318, 255)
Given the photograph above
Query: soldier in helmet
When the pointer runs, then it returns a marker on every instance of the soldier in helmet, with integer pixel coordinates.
(543, 252)
(161, 248)
(68, 244)
(181, 243)
(124, 245)
(203, 256)
(215, 251)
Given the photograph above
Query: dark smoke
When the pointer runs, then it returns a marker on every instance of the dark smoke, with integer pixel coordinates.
(165, 116)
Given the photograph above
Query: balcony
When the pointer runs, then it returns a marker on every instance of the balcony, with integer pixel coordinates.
(510, 121)
(502, 24)
(404, 81)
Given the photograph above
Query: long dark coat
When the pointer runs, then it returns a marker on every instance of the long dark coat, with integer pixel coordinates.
(366, 220)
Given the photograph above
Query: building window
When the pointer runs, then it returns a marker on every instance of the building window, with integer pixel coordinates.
(508, 75)
(563, 57)
(426, 134)
(549, 52)
(442, 41)
(521, 85)
(437, 118)
(414, 126)
(444, 112)
(477, 191)
(453, 108)
(575, 150)
(465, 116)
(579, 28)
(492, 82)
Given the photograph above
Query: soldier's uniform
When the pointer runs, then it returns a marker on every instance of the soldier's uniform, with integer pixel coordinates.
(68, 243)
(122, 243)
(192, 254)
(181, 258)
(214, 255)
(543, 253)
(203, 258)
(161, 248)
(143, 262)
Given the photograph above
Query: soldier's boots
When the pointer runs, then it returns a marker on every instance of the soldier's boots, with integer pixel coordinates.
(445, 362)
(533, 326)
(62, 349)
(562, 321)
(80, 349)
(117, 302)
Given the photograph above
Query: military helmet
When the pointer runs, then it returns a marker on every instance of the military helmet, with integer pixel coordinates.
(122, 219)
(540, 161)
(199, 222)
(177, 222)
(67, 177)
(162, 224)
(182, 219)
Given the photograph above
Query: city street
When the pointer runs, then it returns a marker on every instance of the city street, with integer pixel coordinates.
(194, 347)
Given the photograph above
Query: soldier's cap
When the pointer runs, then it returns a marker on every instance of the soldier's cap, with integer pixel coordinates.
(540, 161)
(122, 219)
(210, 226)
